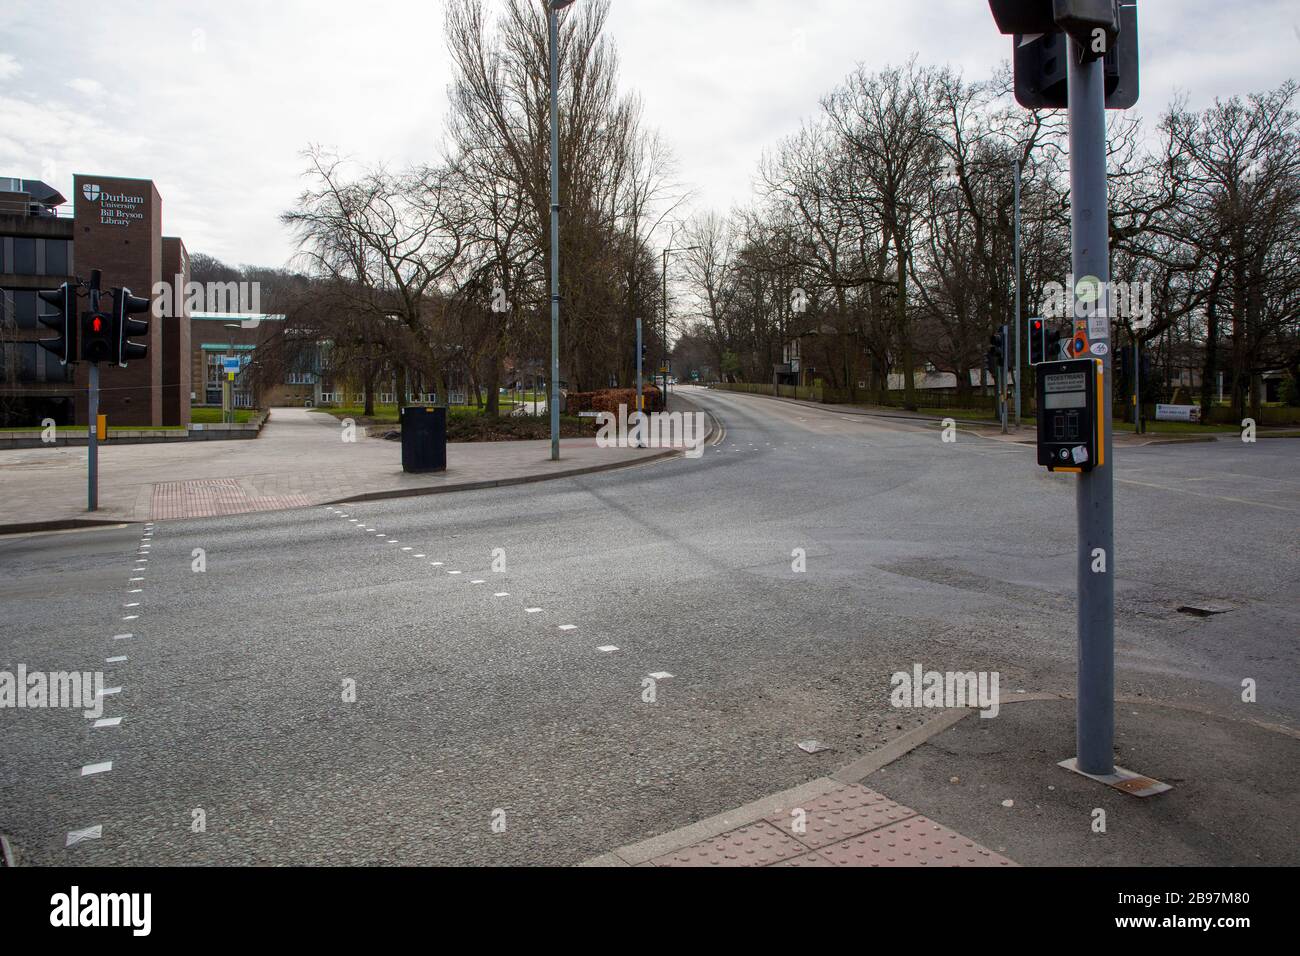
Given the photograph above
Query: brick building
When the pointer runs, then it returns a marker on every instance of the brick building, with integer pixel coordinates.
(115, 226)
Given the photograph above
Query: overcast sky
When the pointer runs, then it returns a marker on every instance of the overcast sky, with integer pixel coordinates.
(215, 101)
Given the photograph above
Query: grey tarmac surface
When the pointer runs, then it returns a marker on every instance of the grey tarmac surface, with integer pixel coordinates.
(469, 709)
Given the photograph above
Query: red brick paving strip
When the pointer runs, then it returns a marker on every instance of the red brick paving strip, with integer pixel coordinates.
(212, 497)
(848, 826)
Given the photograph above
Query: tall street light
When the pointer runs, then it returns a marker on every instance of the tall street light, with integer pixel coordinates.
(668, 250)
(553, 15)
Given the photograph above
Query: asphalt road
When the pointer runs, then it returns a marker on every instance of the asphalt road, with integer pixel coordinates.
(482, 732)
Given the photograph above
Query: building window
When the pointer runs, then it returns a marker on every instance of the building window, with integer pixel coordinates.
(23, 305)
(56, 257)
(24, 263)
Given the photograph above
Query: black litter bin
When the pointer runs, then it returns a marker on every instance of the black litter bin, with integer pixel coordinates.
(424, 439)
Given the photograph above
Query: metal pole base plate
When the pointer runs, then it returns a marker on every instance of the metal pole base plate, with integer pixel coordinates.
(1126, 781)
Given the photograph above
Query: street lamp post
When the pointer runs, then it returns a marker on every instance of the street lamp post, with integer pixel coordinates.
(1017, 322)
(553, 16)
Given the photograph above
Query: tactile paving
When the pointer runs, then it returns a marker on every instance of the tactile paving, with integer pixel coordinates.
(759, 844)
(917, 841)
(839, 814)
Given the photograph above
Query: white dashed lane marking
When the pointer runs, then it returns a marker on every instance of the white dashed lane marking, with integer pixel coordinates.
(108, 721)
(568, 627)
(91, 769)
(607, 649)
(90, 833)
(115, 660)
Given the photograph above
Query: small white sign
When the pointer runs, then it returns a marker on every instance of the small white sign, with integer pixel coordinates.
(1178, 413)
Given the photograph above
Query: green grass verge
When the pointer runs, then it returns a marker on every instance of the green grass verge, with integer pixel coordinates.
(212, 416)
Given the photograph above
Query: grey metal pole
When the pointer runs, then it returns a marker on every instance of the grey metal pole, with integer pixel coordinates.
(639, 404)
(664, 364)
(1005, 384)
(92, 444)
(554, 18)
(1137, 386)
(1017, 323)
(1095, 503)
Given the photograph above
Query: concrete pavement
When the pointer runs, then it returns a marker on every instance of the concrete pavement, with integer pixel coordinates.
(300, 459)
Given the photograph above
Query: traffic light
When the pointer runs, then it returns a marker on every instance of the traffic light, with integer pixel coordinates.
(63, 321)
(998, 341)
(1052, 345)
(1103, 28)
(96, 336)
(125, 328)
(1037, 341)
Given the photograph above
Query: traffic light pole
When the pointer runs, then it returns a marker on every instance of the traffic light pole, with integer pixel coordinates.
(92, 444)
(554, 25)
(1095, 498)
(1006, 378)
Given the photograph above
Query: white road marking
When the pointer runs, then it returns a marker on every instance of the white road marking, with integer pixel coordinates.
(94, 768)
(136, 580)
(108, 721)
(418, 555)
(408, 549)
(90, 833)
(661, 675)
(568, 627)
(478, 581)
(502, 594)
(115, 660)
(136, 591)
(122, 637)
(132, 604)
(607, 649)
(109, 691)
(130, 617)
(455, 572)
(532, 610)
(436, 564)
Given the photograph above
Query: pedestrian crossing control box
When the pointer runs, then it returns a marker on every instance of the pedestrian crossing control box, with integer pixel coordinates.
(1070, 410)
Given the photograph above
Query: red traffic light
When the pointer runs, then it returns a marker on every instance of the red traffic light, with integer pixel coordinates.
(97, 324)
